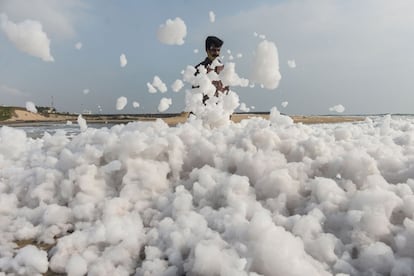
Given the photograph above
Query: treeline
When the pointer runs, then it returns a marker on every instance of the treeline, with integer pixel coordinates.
(45, 109)
(5, 112)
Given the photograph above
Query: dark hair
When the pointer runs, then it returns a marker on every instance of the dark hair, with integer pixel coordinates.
(213, 41)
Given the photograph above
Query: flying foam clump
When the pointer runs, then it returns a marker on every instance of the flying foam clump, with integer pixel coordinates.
(337, 108)
(177, 85)
(164, 104)
(121, 102)
(157, 83)
(172, 32)
(229, 76)
(30, 106)
(265, 69)
(212, 16)
(135, 104)
(291, 63)
(151, 88)
(123, 60)
(243, 107)
(82, 123)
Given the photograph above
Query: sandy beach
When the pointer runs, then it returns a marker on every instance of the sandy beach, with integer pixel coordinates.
(20, 116)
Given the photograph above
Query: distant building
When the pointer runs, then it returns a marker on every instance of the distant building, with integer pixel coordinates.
(87, 112)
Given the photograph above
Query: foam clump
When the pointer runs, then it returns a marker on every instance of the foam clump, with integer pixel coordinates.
(255, 198)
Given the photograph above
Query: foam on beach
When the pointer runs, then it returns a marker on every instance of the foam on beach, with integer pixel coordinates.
(210, 196)
(259, 196)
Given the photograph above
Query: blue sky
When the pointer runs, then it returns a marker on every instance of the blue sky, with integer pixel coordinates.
(357, 53)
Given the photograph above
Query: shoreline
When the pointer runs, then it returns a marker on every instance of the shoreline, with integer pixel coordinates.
(23, 118)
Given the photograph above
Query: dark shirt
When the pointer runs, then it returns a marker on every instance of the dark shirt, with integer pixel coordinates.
(206, 63)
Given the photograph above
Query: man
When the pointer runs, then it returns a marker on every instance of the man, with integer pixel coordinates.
(213, 47)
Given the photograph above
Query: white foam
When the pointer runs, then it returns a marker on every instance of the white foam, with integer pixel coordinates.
(265, 69)
(260, 196)
(121, 102)
(172, 32)
(30, 106)
(123, 60)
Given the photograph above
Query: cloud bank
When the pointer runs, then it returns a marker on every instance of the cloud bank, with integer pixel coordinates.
(28, 36)
(57, 17)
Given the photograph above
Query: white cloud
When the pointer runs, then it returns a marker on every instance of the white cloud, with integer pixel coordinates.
(195, 51)
(57, 17)
(327, 42)
(86, 91)
(121, 102)
(123, 60)
(266, 65)
(135, 104)
(212, 16)
(337, 108)
(78, 45)
(4, 89)
(374, 22)
(172, 32)
(28, 36)
(164, 104)
(285, 104)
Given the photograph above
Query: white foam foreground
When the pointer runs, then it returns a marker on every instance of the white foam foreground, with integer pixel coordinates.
(261, 197)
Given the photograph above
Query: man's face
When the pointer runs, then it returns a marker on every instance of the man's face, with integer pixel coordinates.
(213, 52)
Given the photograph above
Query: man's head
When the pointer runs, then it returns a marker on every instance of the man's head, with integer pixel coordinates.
(213, 46)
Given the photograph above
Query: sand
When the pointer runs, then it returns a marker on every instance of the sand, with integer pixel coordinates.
(22, 115)
(26, 117)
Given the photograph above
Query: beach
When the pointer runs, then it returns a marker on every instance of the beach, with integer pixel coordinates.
(147, 198)
(20, 116)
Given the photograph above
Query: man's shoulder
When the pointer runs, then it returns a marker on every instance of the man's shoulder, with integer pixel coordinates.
(204, 63)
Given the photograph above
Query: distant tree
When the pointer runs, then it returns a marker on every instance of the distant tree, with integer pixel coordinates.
(45, 109)
(5, 113)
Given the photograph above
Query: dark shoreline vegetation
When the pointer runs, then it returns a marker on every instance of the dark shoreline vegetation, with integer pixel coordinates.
(5, 112)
